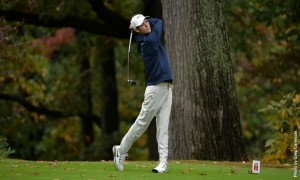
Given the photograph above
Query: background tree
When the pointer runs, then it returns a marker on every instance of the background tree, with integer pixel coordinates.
(205, 118)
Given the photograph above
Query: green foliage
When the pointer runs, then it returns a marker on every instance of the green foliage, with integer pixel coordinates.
(284, 118)
(5, 150)
(125, 8)
(42, 66)
(61, 141)
(59, 9)
(23, 129)
(266, 61)
(7, 39)
(100, 149)
(50, 84)
(51, 8)
(283, 16)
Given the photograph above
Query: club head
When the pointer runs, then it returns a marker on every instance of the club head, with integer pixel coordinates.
(131, 82)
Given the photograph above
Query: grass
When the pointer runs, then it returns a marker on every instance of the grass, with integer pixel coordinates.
(21, 169)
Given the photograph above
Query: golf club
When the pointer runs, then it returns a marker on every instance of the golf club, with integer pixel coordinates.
(130, 82)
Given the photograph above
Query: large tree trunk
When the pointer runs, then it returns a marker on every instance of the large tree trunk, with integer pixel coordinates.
(85, 89)
(109, 112)
(108, 92)
(205, 122)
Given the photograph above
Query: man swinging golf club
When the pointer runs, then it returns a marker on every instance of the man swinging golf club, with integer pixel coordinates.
(158, 94)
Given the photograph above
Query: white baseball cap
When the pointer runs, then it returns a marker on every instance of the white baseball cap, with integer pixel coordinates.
(137, 20)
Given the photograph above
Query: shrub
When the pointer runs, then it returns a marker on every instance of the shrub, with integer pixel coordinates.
(5, 150)
(284, 118)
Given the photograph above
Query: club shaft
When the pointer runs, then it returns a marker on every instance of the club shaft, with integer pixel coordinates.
(128, 56)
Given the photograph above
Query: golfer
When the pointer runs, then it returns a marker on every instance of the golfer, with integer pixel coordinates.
(158, 94)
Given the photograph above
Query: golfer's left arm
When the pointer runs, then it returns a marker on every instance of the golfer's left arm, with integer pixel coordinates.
(156, 29)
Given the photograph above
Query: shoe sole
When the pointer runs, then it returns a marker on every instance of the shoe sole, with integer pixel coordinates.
(157, 171)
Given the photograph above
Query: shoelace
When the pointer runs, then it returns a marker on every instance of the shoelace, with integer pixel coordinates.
(122, 157)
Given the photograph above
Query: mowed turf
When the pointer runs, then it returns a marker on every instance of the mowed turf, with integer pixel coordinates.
(21, 169)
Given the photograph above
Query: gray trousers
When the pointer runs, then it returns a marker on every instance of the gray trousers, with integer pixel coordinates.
(157, 102)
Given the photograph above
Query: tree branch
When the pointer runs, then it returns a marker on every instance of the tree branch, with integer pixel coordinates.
(45, 111)
(31, 107)
(110, 18)
(94, 26)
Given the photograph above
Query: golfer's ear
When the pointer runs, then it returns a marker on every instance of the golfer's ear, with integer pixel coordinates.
(136, 30)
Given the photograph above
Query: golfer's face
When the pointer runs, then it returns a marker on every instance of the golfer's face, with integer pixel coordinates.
(145, 28)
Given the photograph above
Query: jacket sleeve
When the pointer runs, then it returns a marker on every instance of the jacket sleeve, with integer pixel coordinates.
(156, 29)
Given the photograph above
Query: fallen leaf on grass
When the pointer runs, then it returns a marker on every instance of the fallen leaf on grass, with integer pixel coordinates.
(111, 175)
(35, 173)
(186, 171)
(69, 169)
(52, 164)
(234, 169)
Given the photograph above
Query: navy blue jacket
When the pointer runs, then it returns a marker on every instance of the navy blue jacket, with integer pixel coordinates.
(153, 53)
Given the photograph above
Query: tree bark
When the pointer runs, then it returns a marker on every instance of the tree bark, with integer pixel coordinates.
(85, 89)
(109, 93)
(205, 122)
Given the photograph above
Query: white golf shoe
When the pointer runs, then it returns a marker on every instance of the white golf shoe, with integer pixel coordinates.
(161, 168)
(118, 158)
